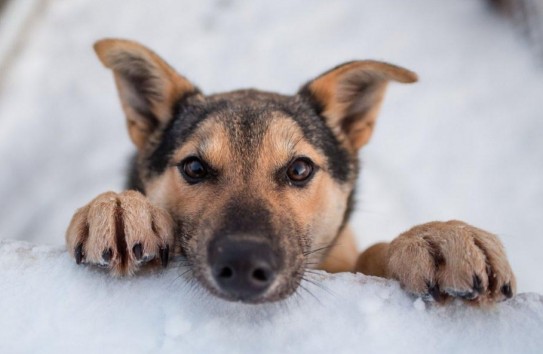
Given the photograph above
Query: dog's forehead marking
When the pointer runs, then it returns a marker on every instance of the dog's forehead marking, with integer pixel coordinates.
(263, 147)
(209, 142)
(284, 140)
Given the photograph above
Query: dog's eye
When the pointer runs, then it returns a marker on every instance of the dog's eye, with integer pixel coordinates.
(300, 170)
(193, 169)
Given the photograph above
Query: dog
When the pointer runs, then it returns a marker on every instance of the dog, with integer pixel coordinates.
(254, 188)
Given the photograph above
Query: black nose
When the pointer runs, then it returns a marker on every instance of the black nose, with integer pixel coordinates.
(242, 268)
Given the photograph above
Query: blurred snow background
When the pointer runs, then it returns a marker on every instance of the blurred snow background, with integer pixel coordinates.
(463, 143)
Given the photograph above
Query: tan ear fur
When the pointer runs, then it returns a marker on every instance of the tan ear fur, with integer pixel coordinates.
(350, 96)
(148, 87)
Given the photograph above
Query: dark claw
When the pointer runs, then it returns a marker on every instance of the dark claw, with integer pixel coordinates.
(433, 290)
(164, 255)
(477, 284)
(462, 294)
(507, 291)
(78, 253)
(466, 295)
(138, 251)
(107, 255)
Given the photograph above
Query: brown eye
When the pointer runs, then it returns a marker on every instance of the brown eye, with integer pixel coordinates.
(193, 170)
(300, 170)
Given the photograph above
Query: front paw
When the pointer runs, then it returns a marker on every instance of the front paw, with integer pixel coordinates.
(445, 260)
(120, 232)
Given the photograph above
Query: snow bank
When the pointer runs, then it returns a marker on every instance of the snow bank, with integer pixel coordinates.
(48, 304)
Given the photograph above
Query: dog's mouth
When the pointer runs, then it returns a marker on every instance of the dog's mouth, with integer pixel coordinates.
(279, 288)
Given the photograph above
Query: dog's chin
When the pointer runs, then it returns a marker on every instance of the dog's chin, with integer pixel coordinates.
(246, 300)
(278, 291)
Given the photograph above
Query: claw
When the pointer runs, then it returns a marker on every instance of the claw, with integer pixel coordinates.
(465, 295)
(164, 255)
(433, 290)
(477, 288)
(78, 253)
(138, 251)
(507, 291)
(477, 284)
(107, 255)
(147, 258)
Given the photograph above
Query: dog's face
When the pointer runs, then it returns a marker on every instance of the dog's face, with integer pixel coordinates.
(257, 182)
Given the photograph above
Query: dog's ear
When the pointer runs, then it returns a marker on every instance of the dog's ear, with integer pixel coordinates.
(148, 87)
(350, 95)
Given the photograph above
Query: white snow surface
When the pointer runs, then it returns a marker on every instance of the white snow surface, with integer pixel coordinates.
(463, 143)
(50, 305)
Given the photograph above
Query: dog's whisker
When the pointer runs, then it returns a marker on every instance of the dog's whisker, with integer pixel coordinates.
(319, 249)
(313, 271)
(296, 297)
(315, 282)
(310, 293)
(185, 272)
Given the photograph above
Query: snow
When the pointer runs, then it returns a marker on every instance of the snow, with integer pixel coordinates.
(51, 305)
(464, 143)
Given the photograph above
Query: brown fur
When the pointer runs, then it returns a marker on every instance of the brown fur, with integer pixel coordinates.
(248, 139)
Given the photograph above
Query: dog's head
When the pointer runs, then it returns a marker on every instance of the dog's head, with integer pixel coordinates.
(256, 181)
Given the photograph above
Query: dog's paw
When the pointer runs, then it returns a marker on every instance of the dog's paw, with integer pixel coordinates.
(120, 232)
(444, 260)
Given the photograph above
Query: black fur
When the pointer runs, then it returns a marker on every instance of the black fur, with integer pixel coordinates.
(342, 165)
(248, 217)
(351, 203)
(187, 116)
(133, 180)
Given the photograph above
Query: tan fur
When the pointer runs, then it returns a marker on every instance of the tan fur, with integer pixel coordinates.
(95, 227)
(343, 255)
(374, 260)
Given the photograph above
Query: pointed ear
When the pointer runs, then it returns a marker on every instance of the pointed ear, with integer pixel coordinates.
(148, 87)
(349, 97)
